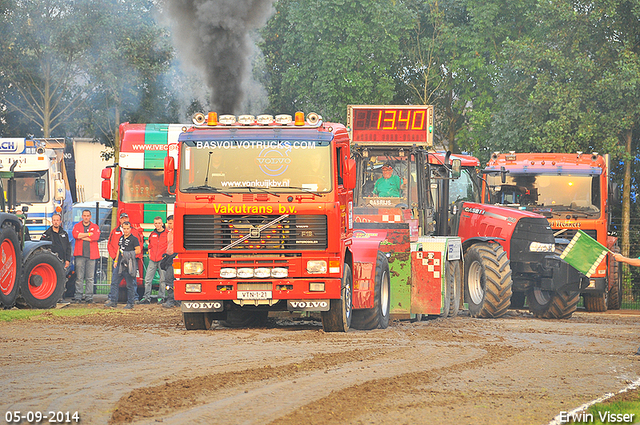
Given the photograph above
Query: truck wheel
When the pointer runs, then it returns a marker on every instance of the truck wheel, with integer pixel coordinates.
(488, 281)
(614, 302)
(338, 318)
(10, 266)
(197, 321)
(455, 271)
(552, 304)
(245, 319)
(43, 280)
(378, 316)
(595, 303)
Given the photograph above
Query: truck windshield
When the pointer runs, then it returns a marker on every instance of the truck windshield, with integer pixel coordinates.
(144, 186)
(31, 186)
(252, 165)
(556, 192)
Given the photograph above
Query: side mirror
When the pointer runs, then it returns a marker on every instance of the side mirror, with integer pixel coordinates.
(106, 189)
(456, 168)
(614, 193)
(40, 187)
(60, 189)
(350, 174)
(169, 171)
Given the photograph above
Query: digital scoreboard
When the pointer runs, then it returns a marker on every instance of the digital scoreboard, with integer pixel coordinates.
(391, 124)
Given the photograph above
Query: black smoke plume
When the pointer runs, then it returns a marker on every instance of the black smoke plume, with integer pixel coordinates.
(214, 36)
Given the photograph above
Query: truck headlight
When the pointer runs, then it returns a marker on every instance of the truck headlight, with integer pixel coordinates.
(279, 272)
(245, 273)
(227, 273)
(192, 267)
(261, 272)
(316, 266)
(542, 247)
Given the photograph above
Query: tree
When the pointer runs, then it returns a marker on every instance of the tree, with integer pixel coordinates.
(44, 60)
(455, 56)
(573, 84)
(323, 58)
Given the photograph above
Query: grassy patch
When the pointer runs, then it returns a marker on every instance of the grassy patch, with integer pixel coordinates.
(624, 403)
(17, 314)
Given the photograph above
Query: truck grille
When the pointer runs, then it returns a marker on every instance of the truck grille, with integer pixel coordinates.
(215, 232)
(570, 233)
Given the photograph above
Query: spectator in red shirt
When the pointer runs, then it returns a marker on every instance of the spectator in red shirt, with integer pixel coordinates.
(157, 247)
(169, 277)
(85, 255)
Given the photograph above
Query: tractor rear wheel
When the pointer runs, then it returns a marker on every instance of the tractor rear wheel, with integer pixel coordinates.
(338, 318)
(43, 280)
(552, 304)
(10, 266)
(197, 321)
(455, 271)
(378, 316)
(487, 278)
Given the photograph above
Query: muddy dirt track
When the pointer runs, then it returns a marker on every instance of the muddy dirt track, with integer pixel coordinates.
(141, 366)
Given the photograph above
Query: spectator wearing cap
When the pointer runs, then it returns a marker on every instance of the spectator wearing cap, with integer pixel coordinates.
(114, 237)
(389, 185)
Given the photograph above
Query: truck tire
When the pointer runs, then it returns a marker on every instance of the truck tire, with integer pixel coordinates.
(596, 303)
(338, 318)
(614, 302)
(43, 279)
(455, 270)
(552, 304)
(197, 321)
(245, 319)
(10, 267)
(488, 283)
(378, 316)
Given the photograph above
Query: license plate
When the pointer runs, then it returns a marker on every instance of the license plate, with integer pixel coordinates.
(254, 295)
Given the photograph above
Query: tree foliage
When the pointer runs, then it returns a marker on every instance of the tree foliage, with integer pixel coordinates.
(323, 56)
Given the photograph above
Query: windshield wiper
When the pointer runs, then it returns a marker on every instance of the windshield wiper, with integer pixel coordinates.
(306, 189)
(206, 188)
(256, 188)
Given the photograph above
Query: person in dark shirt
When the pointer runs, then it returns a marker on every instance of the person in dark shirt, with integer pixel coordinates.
(124, 266)
(59, 239)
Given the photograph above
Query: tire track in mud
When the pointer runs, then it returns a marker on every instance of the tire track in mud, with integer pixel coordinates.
(345, 405)
(157, 401)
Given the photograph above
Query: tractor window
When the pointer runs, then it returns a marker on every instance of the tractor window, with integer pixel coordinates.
(463, 188)
(388, 182)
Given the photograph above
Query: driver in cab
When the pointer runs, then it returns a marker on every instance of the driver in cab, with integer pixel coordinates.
(389, 185)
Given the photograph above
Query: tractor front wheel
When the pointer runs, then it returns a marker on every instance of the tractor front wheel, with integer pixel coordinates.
(43, 279)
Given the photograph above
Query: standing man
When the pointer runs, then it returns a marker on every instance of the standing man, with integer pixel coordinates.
(59, 239)
(124, 267)
(168, 282)
(157, 248)
(60, 243)
(85, 255)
